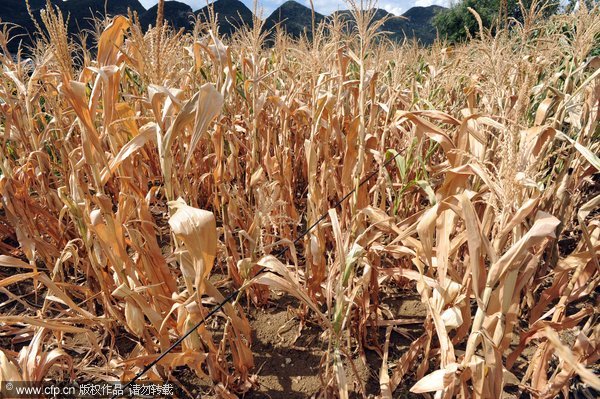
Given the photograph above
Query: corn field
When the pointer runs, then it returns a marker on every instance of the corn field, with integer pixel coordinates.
(144, 179)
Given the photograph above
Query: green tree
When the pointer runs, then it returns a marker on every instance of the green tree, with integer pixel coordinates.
(457, 23)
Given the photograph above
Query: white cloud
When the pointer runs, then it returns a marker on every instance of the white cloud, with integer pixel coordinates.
(392, 7)
(326, 7)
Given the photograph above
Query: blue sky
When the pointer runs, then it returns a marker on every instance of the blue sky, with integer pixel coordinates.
(326, 7)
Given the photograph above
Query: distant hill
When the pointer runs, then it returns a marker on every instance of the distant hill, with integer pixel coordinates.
(15, 12)
(394, 24)
(422, 13)
(291, 16)
(84, 8)
(178, 15)
(294, 18)
(79, 11)
(231, 15)
(420, 22)
(417, 23)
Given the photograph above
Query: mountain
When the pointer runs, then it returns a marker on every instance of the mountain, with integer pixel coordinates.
(346, 15)
(395, 25)
(85, 8)
(417, 23)
(15, 12)
(294, 18)
(178, 15)
(420, 22)
(231, 15)
(417, 13)
(79, 11)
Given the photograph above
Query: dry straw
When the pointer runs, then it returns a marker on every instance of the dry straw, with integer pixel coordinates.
(126, 171)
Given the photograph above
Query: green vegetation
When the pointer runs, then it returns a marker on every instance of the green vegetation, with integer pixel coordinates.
(458, 23)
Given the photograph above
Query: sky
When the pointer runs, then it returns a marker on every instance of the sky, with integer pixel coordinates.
(326, 7)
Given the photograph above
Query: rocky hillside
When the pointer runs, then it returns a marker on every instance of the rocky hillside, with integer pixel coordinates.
(179, 15)
(230, 14)
(420, 22)
(291, 16)
(415, 23)
(79, 11)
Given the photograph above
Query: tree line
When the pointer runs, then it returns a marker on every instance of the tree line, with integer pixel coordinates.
(458, 23)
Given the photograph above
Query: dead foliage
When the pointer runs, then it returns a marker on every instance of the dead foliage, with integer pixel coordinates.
(126, 172)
